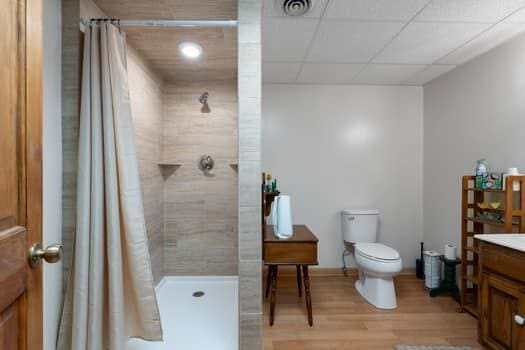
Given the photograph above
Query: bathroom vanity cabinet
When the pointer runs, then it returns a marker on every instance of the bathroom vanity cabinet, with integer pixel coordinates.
(502, 294)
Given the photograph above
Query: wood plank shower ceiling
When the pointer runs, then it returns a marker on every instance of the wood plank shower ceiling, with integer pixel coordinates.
(159, 45)
(169, 9)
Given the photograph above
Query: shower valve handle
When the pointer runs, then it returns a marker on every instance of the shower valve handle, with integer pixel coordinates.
(207, 162)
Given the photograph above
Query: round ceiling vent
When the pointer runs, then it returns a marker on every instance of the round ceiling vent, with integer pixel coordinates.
(296, 7)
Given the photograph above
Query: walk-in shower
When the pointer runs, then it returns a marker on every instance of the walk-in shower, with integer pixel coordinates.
(185, 116)
(199, 199)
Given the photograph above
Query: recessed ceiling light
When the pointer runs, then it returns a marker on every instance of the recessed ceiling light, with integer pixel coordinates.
(190, 50)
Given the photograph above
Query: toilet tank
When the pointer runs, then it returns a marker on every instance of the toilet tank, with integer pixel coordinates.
(360, 225)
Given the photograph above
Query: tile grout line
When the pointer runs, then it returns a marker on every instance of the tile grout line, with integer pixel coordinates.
(477, 36)
(309, 48)
(436, 61)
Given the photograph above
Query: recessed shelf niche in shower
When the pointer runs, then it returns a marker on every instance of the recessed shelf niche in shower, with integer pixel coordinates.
(170, 164)
(167, 168)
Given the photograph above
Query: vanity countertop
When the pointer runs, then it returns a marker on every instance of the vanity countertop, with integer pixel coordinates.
(514, 240)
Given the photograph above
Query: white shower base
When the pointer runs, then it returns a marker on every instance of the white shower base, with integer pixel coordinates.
(189, 323)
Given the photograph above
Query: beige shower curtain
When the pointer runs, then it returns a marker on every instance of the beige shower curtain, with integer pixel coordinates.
(110, 295)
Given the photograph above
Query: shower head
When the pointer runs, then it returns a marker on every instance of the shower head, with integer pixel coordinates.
(204, 98)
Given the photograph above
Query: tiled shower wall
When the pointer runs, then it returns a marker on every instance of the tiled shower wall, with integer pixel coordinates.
(200, 208)
(200, 221)
(70, 122)
(249, 81)
(191, 217)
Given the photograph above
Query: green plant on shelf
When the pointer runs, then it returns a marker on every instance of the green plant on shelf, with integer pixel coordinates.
(488, 216)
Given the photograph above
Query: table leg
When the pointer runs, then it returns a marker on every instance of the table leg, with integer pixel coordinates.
(274, 292)
(299, 282)
(268, 281)
(308, 298)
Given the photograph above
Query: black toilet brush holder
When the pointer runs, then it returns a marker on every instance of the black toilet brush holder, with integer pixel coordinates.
(420, 265)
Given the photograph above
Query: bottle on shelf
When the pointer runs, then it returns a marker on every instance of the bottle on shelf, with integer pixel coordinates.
(481, 172)
(274, 185)
(268, 185)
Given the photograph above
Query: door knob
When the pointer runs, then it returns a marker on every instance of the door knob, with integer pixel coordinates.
(519, 320)
(51, 254)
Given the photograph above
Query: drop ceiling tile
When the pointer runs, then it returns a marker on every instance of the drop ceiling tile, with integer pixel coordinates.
(428, 74)
(287, 39)
(329, 73)
(516, 17)
(274, 8)
(424, 43)
(280, 72)
(351, 42)
(377, 10)
(387, 74)
(486, 41)
(486, 11)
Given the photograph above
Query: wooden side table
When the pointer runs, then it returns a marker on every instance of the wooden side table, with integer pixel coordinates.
(300, 250)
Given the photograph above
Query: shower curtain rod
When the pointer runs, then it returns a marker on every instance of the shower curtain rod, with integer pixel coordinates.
(178, 22)
(170, 22)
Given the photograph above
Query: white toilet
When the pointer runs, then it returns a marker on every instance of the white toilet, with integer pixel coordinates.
(377, 263)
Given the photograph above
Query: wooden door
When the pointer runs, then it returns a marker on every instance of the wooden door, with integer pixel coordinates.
(20, 173)
(501, 302)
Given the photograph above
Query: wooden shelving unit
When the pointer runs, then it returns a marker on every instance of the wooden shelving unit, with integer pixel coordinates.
(513, 221)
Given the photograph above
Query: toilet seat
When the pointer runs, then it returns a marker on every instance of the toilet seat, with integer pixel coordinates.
(377, 252)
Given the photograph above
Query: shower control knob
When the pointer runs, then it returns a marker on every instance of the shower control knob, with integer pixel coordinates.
(206, 163)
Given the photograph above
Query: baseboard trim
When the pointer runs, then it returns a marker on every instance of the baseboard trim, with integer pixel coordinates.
(408, 271)
(314, 271)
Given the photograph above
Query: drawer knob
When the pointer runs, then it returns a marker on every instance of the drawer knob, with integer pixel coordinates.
(519, 320)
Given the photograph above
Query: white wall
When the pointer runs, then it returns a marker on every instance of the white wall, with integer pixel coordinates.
(472, 112)
(52, 166)
(335, 147)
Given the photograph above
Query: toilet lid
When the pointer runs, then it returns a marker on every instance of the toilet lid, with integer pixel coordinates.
(360, 212)
(377, 251)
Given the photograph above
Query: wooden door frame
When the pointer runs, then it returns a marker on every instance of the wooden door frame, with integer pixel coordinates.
(31, 151)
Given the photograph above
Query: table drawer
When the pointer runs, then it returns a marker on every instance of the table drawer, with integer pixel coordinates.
(300, 253)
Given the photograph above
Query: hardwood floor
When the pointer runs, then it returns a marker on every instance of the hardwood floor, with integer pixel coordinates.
(344, 321)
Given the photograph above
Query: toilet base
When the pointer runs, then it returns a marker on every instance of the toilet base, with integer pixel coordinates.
(378, 291)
